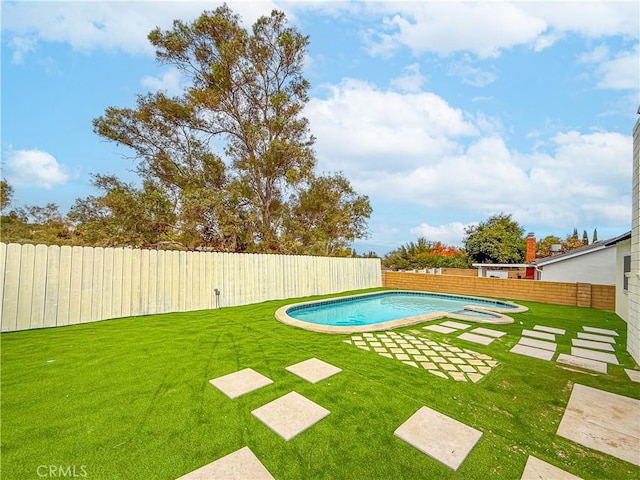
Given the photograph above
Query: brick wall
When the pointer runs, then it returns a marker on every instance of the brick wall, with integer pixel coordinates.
(559, 293)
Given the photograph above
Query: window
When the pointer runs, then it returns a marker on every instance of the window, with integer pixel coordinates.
(626, 267)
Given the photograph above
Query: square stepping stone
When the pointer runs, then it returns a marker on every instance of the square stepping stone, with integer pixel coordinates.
(455, 349)
(375, 344)
(532, 352)
(438, 348)
(542, 335)
(557, 331)
(420, 358)
(380, 349)
(482, 356)
(536, 469)
(472, 337)
(313, 370)
(578, 342)
(239, 465)
(634, 375)
(438, 373)
(474, 377)
(290, 414)
(531, 342)
(457, 361)
(402, 356)
(603, 331)
(467, 369)
(396, 350)
(458, 377)
(448, 367)
(428, 352)
(446, 354)
(388, 355)
(455, 325)
(484, 370)
(465, 355)
(238, 383)
(489, 332)
(412, 364)
(438, 360)
(585, 363)
(413, 351)
(439, 329)
(428, 365)
(594, 355)
(442, 438)
(596, 338)
(476, 362)
(604, 421)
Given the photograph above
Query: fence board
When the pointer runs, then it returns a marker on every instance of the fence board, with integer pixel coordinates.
(52, 286)
(3, 258)
(86, 294)
(118, 281)
(107, 284)
(39, 286)
(64, 289)
(127, 284)
(75, 288)
(11, 286)
(153, 282)
(25, 289)
(97, 272)
(143, 304)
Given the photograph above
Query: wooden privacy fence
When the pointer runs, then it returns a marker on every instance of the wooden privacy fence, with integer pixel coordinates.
(49, 286)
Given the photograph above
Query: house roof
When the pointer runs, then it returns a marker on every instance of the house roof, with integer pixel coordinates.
(594, 247)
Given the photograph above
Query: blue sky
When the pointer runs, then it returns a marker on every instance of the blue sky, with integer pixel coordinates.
(442, 113)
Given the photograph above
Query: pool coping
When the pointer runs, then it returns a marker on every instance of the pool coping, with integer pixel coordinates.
(501, 318)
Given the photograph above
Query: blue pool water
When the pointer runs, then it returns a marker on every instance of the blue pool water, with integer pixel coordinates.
(388, 306)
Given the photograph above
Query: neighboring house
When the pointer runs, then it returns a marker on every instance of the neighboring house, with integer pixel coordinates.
(595, 263)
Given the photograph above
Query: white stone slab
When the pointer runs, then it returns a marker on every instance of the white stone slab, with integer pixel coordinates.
(578, 342)
(536, 334)
(314, 370)
(489, 332)
(634, 375)
(532, 342)
(456, 325)
(536, 469)
(557, 331)
(239, 465)
(603, 421)
(604, 331)
(238, 383)
(594, 355)
(580, 362)
(439, 329)
(532, 352)
(442, 438)
(472, 337)
(290, 414)
(596, 338)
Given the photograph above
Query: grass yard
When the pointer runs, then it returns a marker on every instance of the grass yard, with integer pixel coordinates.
(130, 399)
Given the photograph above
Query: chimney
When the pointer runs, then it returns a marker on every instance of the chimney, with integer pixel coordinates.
(531, 248)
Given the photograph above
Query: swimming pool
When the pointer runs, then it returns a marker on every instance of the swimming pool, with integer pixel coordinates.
(391, 309)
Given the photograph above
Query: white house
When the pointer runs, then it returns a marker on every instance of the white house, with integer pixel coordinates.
(595, 263)
(623, 269)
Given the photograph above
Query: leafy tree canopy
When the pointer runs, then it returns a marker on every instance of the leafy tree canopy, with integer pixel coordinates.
(245, 90)
(496, 240)
(425, 254)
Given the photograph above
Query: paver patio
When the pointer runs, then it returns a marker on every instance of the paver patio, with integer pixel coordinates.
(238, 383)
(604, 421)
(439, 436)
(290, 414)
(313, 370)
(239, 465)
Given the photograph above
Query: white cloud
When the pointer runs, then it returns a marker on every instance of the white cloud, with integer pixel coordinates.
(621, 72)
(95, 25)
(471, 75)
(487, 28)
(362, 128)
(443, 28)
(34, 168)
(169, 82)
(450, 234)
(411, 79)
(21, 46)
(415, 148)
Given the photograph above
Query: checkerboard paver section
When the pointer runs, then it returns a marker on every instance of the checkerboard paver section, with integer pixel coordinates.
(440, 359)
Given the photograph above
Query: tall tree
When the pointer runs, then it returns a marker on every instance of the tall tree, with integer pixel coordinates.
(247, 88)
(6, 194)
(594, 239)
(543, 247)
(496, 240)
(585, 238)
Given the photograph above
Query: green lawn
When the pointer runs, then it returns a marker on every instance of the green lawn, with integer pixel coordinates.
(130, 398)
